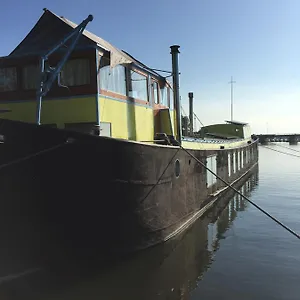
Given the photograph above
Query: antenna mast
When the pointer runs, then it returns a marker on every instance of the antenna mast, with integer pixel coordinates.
(231, 97)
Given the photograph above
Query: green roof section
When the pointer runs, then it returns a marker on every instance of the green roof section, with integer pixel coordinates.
(236, 123)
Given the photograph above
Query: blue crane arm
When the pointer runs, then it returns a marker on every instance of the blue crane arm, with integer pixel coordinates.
(49, 75)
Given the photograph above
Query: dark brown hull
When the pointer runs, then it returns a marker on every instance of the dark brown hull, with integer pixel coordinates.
(78, 195)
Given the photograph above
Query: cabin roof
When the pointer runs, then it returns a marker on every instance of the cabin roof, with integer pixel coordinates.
(222, 136)
(236, 123)
(51, 28)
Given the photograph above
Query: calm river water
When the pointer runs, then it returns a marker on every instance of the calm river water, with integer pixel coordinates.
(234, 252)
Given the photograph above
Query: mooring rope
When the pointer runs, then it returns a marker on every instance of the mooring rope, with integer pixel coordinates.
(287, 148)
(160, 177)
(243, 196)
(27, 157)
(227, 184)
(290, 154)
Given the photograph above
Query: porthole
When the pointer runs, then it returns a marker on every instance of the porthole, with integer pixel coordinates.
(177, 168)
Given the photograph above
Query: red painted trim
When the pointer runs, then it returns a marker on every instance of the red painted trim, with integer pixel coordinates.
(123, 97)
(139, 72)
(159, 106)
(113, 95)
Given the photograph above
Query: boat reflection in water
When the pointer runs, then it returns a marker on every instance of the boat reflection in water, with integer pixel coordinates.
(168, 271)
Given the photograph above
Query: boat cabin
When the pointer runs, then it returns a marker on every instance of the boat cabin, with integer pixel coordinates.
(99, 85)
(229, 130)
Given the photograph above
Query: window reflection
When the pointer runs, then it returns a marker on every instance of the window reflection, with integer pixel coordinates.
(8, 79)
(138, 87)
(113, 79)
(76, 72)
(155, 92)
(30, 77)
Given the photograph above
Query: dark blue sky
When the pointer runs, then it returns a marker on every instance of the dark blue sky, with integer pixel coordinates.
(256, 41)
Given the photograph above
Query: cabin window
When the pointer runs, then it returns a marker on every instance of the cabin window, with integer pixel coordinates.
(212, 165)
(234, 163)
(229, 164)
(164, 96)
(30, 77)
(138, 88)
(242, 159)
(167, 99)
(76, 72)
(155, 92)
(8, 79)
(113, 79)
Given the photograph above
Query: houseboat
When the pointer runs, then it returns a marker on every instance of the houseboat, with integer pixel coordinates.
(92, 155)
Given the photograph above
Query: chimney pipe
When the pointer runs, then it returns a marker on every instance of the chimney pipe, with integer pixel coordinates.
(191, 96)
(175, 72)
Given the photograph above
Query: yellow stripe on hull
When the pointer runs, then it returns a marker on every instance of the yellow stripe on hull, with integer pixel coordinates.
(212, 146)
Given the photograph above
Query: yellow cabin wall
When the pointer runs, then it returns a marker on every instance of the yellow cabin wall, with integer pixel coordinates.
(58, 111)
(114, 111)
(75, 110)
(128, 121)
(20, 111)
(173, 121)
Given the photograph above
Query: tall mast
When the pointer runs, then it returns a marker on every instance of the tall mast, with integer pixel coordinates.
(191, 112)
(231, 98)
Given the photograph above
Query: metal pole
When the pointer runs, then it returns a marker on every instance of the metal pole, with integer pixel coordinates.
(175, 72)
(39, 94)
(231, 100)
(231, 97)
(98, 60)
(78, 29)
(191, 96)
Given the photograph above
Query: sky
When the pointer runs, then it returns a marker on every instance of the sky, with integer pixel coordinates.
(255, 41)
